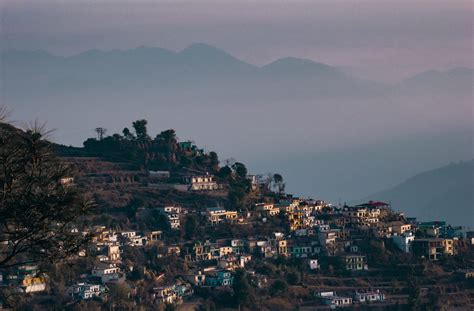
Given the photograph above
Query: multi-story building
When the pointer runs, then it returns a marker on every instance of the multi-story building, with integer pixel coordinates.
(267, 208)
(84, 291)
(334, 300)
(399, 227)
(113, 252)
(432, 248)
(107, 271)
(354, 262)
(368, 297)
(172, 214)
(217, 215)
(172, 293)
(201, 251)
(219, 278)
(202, 183)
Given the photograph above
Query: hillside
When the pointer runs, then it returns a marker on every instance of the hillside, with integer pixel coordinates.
(443, 193)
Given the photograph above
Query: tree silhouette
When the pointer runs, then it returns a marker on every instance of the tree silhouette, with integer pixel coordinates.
(140, 129)
(37, 208)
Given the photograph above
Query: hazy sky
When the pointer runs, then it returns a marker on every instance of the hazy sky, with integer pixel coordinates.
(379, 39)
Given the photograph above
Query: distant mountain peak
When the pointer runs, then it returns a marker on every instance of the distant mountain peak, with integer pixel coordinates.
(296, 61)
(207, 56)
(204, 49)
(293, 65)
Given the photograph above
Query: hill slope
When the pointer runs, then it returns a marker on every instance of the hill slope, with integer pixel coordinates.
(446, 193)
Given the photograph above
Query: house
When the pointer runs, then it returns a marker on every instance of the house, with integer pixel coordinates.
(268, 209)
(238, 246)
(202, 183)
(33, 284)
(107, 271)
(404, 241)
(128, 234)
(84, 291)
(66, 181)
(219, 278)
(354, 262)
(327, 239)
(113, 252)
(172, 214)
(201, 251)
(313, 264)
(231, 262)
(224, 247)
(432, 248)
(334, 300)
(399, 227)
(368, 297)
(30, 279)
(300, 249)
(102, 258)
(154, 235)
(172, 293)
(158, 175)
(217, 215)
(448, 246)
(138, 240)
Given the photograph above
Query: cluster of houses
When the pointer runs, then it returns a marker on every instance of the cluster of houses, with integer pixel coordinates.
(314, 229)
(336, 300)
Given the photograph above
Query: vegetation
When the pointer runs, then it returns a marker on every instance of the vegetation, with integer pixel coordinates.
(163, 152)
(37, 210)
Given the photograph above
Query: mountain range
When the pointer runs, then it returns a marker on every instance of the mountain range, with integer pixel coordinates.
(166, 70)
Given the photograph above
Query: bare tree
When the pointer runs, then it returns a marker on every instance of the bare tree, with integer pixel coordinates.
(37, 209)
(4, 113)
(100, 132)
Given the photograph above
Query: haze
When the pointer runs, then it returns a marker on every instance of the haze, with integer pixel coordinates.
(359, 119)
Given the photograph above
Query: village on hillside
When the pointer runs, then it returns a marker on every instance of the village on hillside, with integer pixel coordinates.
(187, 239)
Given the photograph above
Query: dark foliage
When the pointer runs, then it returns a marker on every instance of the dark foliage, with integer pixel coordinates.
(37, 211)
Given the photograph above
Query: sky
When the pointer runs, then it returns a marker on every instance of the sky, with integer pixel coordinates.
(382, 40)
(325, 147)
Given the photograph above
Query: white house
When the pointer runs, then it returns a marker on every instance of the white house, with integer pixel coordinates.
(172, 214)
(128, 234)
(107, 271)
(335, 301)
(85, 291)
(202, 183)
(367, 297)
(313, 264)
